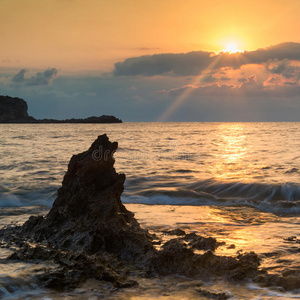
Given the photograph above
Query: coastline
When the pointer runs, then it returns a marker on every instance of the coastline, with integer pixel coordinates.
(14, 110)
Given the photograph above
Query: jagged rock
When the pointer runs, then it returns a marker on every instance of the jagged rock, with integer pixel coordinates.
(214, 295)
(201, 243)
(88, 232)
(177, 257)
(88, 215)
(178, 232)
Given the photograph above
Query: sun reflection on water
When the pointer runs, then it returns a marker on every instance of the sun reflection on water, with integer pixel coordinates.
(231, 152)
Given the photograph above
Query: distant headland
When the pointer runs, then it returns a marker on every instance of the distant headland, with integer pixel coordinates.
(14, 110)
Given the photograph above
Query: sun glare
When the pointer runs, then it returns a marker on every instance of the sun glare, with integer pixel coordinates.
(231, 48)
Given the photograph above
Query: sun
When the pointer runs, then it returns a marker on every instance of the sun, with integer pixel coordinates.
(231, 48)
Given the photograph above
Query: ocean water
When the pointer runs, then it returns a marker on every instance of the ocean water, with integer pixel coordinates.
(256, 164)
(239, 182)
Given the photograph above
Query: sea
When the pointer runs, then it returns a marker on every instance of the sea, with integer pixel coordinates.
(237, 182)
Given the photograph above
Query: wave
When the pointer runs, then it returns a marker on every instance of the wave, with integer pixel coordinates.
(280, 199)
(275, 198)
(43, 197)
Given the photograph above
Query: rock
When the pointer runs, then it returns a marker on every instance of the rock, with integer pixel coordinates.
(88, 232)
(214, 295)
(177, 232)
(88, 215)
(290, 238)
(14, 110)
(177, 257)
(201, 243)
(89, 120)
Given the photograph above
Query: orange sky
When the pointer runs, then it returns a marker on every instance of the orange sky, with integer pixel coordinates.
(94, 34)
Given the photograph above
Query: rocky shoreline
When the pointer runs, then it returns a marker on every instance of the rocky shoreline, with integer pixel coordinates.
(14, 110)
(89, 234)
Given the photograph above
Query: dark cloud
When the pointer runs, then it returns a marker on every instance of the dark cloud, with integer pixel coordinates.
(194, 63)
(182, 64)
(242, 79)
(40, 78)
(251, 87)
(208, 78)
(273, 80)
(19, 77)
(224, 78)
(284, 68)
(291, 83)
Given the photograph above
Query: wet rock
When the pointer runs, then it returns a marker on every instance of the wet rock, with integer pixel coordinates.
(214, 295)
(177, 257)
(88, 232)
(290, 238)
(88, 215)
(178, 232)
(201, 243)
(288, 283)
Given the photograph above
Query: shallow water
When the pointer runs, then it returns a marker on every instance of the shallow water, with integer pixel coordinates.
(238, 182)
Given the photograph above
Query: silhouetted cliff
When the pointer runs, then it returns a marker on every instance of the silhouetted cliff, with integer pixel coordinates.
(14, 110)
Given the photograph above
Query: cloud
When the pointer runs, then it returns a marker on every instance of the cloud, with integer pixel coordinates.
(182, 64)
(224, 78)
(40, 78)
(209, 78)
(250, 87)
(43, 78)
(19, 77)
(194, 63)
(284, 68)
(135, 98)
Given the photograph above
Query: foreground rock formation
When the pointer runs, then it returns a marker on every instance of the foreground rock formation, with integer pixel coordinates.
(89, 234)
(14, 110)
(88, 215)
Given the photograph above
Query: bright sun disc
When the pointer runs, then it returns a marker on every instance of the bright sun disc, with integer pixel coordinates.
(231, 48)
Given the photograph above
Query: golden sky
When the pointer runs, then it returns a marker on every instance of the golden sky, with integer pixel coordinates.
(153, 60)
(94, 34)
